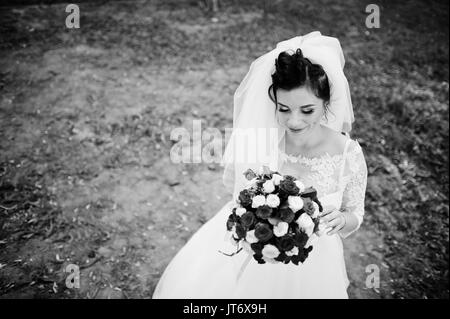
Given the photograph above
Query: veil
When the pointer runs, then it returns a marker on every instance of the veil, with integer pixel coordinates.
(257, 137)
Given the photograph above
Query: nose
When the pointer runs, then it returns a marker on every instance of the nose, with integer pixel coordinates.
(296, 122)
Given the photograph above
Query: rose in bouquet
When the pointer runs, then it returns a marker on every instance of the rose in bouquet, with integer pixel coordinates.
(275, 217)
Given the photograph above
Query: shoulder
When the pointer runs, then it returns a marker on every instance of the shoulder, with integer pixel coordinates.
(336, 143)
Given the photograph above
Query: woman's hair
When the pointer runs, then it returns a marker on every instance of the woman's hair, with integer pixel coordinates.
(294, 71)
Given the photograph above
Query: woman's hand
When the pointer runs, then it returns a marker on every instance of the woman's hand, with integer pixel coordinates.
(333, 218)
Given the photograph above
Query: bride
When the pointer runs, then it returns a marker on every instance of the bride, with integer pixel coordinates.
(300, 89)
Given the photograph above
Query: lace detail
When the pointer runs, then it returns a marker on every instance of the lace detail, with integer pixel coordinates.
(354, 192)
(323, 171)
(314, 161)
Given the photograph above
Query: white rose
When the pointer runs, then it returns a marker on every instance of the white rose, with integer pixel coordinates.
(273, 200)
(293, 251)
(306, 224)
(250, 237)
(295, 203)
(274, 221)
(281, 229)
(240, 211)
(258, 200)
(316, 210)
(276, 179)
(270, 251)
(268, 187)
(270, 260)
(300, 186)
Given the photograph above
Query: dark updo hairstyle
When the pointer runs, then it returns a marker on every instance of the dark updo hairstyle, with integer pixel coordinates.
(294, 71)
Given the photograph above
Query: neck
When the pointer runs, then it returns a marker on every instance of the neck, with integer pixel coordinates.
(307, 142)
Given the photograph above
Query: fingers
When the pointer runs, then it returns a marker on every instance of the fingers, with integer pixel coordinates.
(336, 225)
(327, 209)
(330, 216)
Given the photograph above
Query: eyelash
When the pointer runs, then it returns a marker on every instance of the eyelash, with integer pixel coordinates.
(304, 112)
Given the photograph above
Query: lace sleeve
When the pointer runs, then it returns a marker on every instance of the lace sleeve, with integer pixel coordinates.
(355, 189)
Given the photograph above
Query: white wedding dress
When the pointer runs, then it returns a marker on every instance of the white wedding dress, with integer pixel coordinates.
(200, 271)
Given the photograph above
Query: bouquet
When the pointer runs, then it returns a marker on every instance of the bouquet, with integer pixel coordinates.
(275, 218)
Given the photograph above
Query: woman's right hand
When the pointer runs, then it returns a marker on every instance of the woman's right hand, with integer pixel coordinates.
(333, 218)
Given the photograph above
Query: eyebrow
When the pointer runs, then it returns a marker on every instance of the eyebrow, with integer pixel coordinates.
(303, 106)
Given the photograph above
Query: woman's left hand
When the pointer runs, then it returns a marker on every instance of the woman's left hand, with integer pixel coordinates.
(333, 218)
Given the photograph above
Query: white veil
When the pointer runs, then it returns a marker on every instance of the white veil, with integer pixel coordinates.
(254, 110)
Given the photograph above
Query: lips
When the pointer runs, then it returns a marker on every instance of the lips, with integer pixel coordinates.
(296, 130)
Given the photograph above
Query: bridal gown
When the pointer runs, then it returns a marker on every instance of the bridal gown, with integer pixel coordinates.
(200, 271)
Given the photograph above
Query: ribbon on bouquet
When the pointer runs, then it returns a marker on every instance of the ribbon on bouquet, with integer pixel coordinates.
(243, 266)
(234, 255)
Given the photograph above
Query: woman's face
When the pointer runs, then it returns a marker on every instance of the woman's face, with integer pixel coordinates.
(299, 111)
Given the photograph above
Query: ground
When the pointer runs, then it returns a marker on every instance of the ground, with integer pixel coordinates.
(86, 116)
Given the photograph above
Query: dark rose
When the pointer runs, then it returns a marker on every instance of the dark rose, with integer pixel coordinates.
(286, 214)
(302, 255)
(247, 219)
(264, 211)
(240, 231)
(316, 200)
(286, 243)
(309, 192)
(288, 186)
(308, 206)
(259, 258)
(282, 257)
(263, 232)
(257, 247)
(245, 198)
(300, 238)
(249, 174)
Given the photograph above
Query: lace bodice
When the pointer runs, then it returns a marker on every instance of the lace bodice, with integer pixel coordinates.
(329, 174)
(345, 174)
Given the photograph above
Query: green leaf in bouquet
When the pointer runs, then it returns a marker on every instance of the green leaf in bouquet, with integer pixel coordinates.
(232, 220)
(240, 231)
